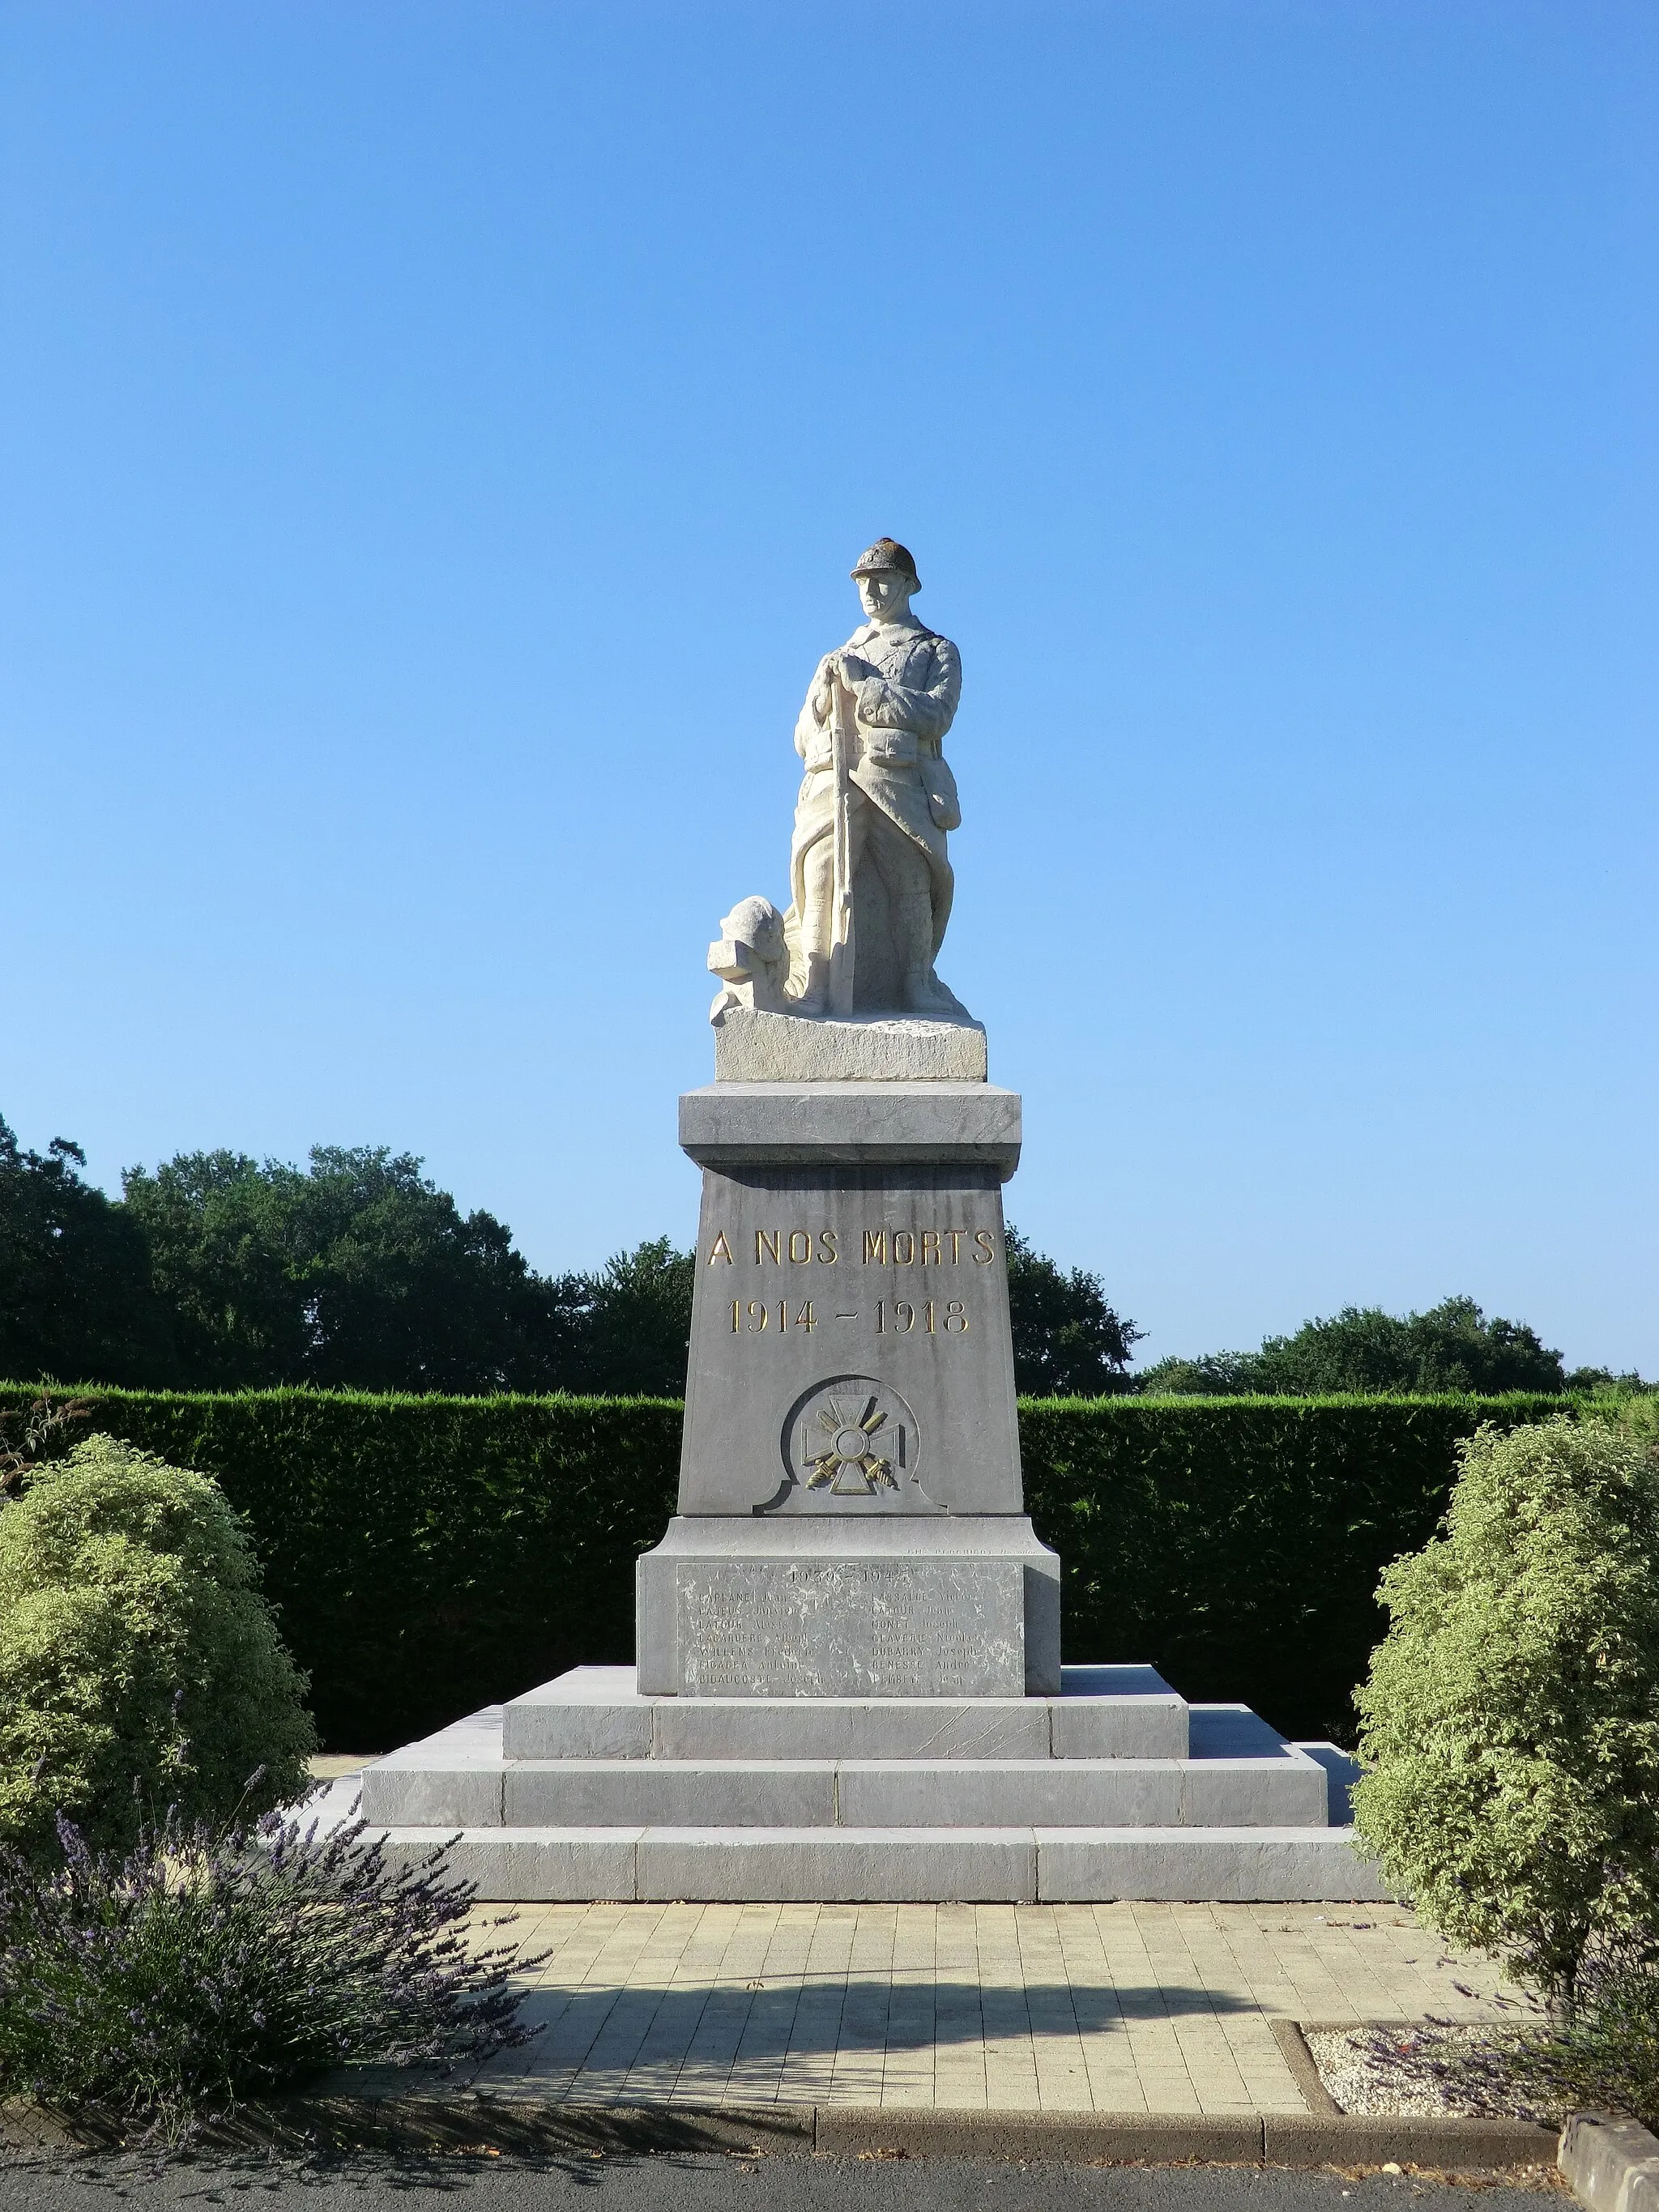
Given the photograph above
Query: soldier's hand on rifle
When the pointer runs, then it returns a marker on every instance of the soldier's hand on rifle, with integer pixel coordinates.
(824, 687)
(855, 670)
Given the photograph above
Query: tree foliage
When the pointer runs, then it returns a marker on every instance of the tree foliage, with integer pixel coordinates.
(1068, 1341)
(75, 1294)
(359, 1272)
(1510, 1722)
(217, 1271)
(139, 1662)
(1452, 1347)
(627, 1329)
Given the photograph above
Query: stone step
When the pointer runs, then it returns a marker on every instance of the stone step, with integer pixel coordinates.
(849, 1865)
(424, 1787)
(597, 1712)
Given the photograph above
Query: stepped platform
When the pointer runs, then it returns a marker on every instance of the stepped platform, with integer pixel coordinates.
(586, 1789)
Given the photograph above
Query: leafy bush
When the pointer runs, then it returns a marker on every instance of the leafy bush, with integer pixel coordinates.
(206, 1968)
(1510, 1724)
(132, 1626)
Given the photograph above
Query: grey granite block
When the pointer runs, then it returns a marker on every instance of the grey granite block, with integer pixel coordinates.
(539, 1866)
(995, 1793)
(851, 1865)
(1238, 1866)
(591, 1712)
(844, 1607)
(849, 1728)
(840, 1865)
(597, 1712)
(1231, 1732)
(819, 1125)
(1342, 1771)
(826, 1297)
(475, 1736)
(1286, 1792)
(1112, 1727)
(433, 1794)
(669, 1793)
(896, 1627)
(1114, 1682)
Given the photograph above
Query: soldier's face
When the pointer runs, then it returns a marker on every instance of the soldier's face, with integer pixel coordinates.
(884, 596)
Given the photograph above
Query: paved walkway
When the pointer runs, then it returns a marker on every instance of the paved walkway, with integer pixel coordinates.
(1071, 2008)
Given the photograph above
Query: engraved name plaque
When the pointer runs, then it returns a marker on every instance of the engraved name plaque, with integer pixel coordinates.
(850, 1628)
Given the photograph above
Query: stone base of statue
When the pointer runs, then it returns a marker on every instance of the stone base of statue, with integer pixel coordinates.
(850, 1519)
(804, 1608)
(754, 1045)
(848, 1683)
(588, 1788)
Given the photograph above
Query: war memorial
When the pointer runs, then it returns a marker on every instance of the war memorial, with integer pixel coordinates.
(849, 1682)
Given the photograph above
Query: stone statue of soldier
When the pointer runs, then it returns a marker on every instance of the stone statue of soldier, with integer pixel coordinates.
(870, 876)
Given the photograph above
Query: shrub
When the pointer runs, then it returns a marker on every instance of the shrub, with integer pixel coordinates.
(136, 1653)
(206, 1968)
(1510, 1724)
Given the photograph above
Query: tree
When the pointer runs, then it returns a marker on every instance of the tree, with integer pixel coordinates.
(627, 1328)
(75, 1298)
(357, 1272)
(1510, 1723)
(1068, 1341)
(1452, 1347)
(1214, 1375)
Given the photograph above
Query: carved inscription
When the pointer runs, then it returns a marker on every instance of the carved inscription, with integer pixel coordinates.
(882, 1247)
(784, 1248)
(875, 1628)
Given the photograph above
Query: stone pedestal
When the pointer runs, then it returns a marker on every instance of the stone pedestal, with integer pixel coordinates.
(851, 1517)
(828, 1606)
(752, 1045)
(849, 1682)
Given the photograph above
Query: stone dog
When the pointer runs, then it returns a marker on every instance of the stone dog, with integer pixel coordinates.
(750, 959)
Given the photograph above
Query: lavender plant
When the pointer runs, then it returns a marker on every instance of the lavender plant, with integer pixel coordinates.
(1605, 2055)
(208, 1967)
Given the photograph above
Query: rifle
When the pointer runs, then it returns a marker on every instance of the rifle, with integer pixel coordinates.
(842, 737)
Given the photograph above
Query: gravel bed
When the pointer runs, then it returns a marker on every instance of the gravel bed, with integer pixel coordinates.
(1435, 2068)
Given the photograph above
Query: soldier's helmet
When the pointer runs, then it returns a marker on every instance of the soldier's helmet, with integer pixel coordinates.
(884, 556)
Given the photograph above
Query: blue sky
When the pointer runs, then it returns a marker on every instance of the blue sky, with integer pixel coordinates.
(433, 440)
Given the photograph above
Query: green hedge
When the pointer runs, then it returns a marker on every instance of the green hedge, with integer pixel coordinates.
(1237, 1542)
(430, 1555)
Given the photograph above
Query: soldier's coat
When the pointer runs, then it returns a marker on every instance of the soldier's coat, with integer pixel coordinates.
(902, 716)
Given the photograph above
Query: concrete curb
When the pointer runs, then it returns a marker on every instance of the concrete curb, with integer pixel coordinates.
(1304, 2068)
(527, 2125)
(1612, 2166)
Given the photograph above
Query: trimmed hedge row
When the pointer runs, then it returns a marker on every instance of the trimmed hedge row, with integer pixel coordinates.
(430, 1555)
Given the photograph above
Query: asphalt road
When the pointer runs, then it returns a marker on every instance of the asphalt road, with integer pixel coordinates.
(619, 2182)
